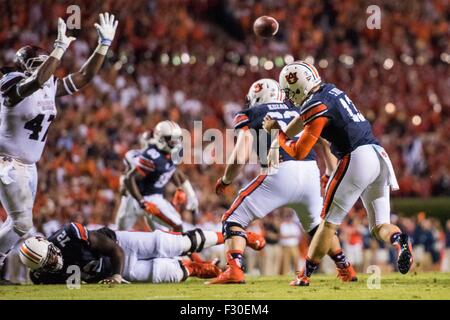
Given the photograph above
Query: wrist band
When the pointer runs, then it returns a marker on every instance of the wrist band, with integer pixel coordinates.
(58, 52)
(102, 49)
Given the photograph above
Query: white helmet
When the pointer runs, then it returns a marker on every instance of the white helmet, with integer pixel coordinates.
(145, 139)
(38, 253)
(167, 136)
(264, 91)
(297, 79)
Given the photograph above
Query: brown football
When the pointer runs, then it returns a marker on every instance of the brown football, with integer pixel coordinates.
(265, 26)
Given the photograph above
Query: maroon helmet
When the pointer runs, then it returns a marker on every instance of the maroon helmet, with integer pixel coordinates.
(29, 57)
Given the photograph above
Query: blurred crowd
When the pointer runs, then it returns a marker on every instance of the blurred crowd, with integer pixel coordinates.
(187, 60)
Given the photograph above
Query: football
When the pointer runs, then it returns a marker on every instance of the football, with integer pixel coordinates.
(265, 27)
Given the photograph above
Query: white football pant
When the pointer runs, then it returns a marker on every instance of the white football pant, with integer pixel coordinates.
(129, 212)
(295, 182)
(153, 256)
(18, 185)
(365, 173)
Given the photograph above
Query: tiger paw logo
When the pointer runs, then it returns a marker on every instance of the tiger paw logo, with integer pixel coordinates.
(257, 87)
(292, 78)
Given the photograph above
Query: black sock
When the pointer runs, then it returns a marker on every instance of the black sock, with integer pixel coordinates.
(310, 267)
(395, 237)
(340, 260)
(238, 257)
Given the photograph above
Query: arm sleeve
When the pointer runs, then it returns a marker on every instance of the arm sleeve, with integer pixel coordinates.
(79, 232)
(241, 121)
(302, 147)
(145, 165)
(312, 112)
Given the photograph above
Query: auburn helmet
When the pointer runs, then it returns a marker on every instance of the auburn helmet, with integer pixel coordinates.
(29, 58)
(298, 79)
(264, 91)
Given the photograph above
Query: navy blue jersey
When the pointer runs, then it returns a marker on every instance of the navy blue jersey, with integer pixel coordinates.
(253, 117)
(157, 168)
(347, 129)
(73, 241)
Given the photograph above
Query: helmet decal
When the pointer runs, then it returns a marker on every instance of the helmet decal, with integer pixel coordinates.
(257, 87)
(292, 78)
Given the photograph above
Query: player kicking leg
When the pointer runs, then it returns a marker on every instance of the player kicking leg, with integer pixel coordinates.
(294, 182)
(364, 170)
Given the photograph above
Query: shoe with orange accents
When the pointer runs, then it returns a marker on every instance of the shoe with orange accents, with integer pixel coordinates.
(232, 275)
(204, 270)
(347, 274)
(301, 280)
(255, 241)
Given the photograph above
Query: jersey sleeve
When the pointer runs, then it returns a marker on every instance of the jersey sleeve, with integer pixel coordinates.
(77, 231)
(241, 120)
(9, 81)
(144, 164)
(312, 111)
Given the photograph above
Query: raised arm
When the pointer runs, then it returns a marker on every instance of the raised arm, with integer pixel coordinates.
(26, 87)
(75, 81)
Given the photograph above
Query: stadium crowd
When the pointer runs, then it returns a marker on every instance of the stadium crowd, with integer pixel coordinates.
(187, 60)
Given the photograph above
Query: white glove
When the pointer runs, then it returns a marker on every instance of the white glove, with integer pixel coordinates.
(192, 201)
(106, 29)
(63, 41)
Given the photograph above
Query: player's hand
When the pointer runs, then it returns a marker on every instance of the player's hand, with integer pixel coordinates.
(150, 207)
(106, 29)
(114, 279)
(221, 186)
(63, 41)
(324, 181)
(179, 198)
(270, 124)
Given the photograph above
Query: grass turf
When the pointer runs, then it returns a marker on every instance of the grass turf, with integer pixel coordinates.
(393, 286)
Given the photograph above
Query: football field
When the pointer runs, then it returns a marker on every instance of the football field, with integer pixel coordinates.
(393, 286)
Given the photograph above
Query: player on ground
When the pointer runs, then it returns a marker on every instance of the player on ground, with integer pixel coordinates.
(148, 172)
(294, 182)
(117, 257)
(364, 169)
(27, 101)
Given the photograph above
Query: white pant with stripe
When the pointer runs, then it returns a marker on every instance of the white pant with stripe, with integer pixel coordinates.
(365, 173)
(129, 211)
(152, 256)
(295, 182)
(18, 185)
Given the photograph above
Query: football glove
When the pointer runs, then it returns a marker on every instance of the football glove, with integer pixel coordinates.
(179, 198)
(106, 29)
(63, 41)
(324, 180)
(221, 186)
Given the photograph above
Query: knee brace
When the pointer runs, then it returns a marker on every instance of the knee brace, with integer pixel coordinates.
(22, 223)
(228, 233)
(197, 238)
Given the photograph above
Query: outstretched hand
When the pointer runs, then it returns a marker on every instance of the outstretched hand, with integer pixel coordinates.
(106, 29)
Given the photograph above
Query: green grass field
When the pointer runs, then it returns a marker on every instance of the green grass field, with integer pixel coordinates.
(393, 286)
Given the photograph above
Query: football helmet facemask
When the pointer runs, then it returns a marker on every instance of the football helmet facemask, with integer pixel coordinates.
(298, 79)
(37, 253)
(167, 136)
(29, 58)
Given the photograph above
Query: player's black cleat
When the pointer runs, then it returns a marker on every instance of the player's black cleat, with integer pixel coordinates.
(405, 257)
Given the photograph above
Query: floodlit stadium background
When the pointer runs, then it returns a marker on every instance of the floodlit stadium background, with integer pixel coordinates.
(194, 60)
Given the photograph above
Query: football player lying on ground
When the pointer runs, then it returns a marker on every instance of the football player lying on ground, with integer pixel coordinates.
(294, 182)
(364, 170)
(109, 256)
(149, 170)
